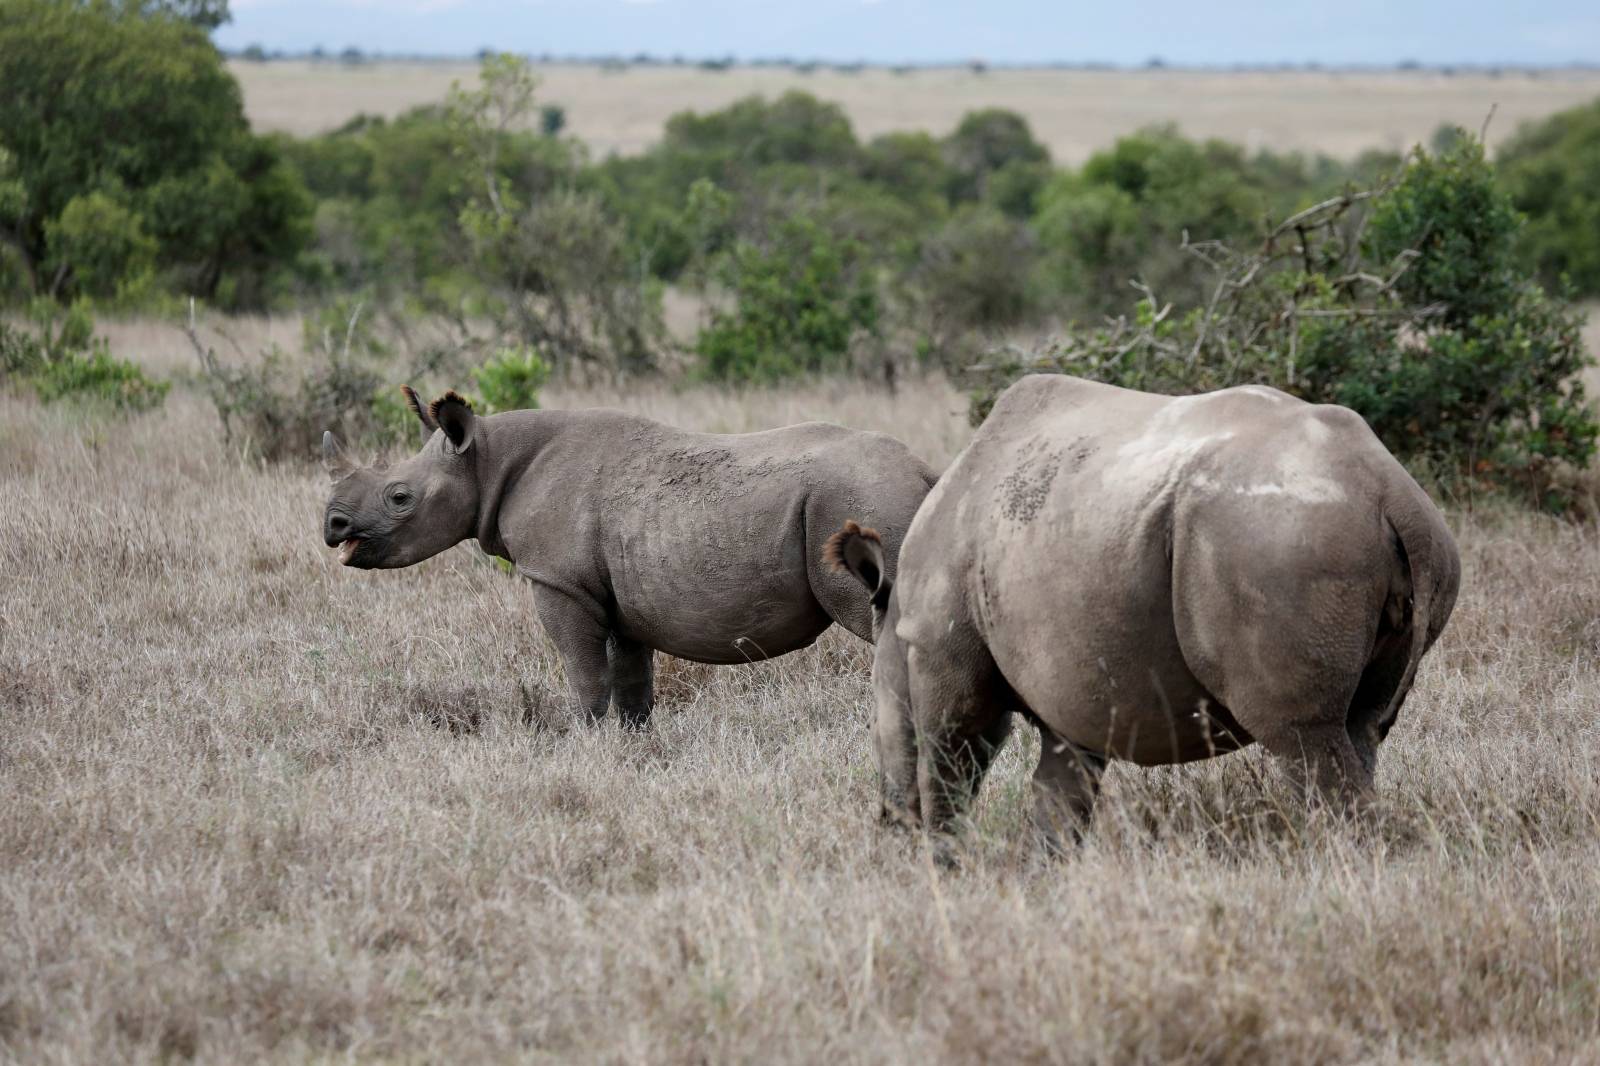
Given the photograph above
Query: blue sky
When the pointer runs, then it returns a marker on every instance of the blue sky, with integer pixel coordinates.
(892, 31)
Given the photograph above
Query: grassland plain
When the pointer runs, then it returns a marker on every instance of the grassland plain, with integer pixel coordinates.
(1073, 112)
(260, 807)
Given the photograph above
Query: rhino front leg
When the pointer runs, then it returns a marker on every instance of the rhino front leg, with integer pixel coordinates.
(581, 638)
(632, 681)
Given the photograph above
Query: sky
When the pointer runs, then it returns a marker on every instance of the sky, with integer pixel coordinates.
(1180, 32)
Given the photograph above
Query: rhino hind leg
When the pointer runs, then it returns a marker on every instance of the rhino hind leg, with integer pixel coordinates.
(1323, 761)
(1066, 784)
(1327, 707)
(632, 680)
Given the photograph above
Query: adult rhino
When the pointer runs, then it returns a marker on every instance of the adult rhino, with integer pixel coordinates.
(1150, 578)
(636, 536)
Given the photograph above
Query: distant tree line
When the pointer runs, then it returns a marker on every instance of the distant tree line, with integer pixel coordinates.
(810, 249)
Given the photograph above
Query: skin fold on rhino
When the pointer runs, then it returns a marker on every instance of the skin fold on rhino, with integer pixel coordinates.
(1154, 579)
(636, 536)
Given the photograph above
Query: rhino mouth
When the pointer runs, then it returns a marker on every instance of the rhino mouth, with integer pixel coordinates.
(348, 549)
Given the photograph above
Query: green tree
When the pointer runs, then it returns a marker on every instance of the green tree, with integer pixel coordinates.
(103, 244)
(207, 14)
(1123, 216)
(158, 129)
(798, 301)
(985, 142)
(557, 267)
(1552, 169)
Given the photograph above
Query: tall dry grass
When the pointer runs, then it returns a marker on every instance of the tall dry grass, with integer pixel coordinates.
(256, 806)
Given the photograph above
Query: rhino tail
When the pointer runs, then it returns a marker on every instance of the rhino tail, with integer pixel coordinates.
(1429, 569)
(859, 550)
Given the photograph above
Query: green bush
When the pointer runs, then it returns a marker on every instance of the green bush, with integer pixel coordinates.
(1125, 214)
(21, 354)
(798, 303)
(984, 144)
(511, 380)
(1449, 211)
(1415, 314)
(1552, 169)
(974, 274)
(95, 376)
(63, 360)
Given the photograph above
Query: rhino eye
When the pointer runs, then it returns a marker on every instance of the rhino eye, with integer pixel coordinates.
(400, 497)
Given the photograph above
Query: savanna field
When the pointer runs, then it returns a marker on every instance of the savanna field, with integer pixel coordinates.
(255, 806)
(261, 807)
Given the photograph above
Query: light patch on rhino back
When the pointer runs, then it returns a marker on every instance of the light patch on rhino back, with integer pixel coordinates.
(1301, 470)
(1317, 430)
(1265, 393)
(1158, 451)
(1306, 490)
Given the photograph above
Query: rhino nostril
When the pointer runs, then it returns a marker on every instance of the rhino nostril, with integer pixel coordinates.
(339, 523)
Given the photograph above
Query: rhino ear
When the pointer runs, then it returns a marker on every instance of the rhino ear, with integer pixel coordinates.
(860, 551)
(454, 415)
(414, 402)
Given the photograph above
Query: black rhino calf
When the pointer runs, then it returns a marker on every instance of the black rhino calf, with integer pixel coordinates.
(1150, 578)
(636, 536)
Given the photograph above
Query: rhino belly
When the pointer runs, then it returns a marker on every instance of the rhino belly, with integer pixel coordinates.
(718, 591)
(726, 626)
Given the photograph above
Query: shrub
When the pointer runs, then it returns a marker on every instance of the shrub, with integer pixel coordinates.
(985, 143)
(95, 376)
(511, 380)
(20, 352)
(1405, 304)
(1124, 214)
(798, 302)
(270, 413)
(1448, 210)
(975, 273)
(755, 132)
(558, 269)
(63, 360)
(1552, 169)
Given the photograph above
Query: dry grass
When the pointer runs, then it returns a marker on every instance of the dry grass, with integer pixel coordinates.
(1074, 112)
(257, 806)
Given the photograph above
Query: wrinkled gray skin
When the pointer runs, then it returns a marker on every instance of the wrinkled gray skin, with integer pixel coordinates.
(636, 536)
(1153, 579)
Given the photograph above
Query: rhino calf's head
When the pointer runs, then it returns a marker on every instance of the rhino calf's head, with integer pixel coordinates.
(387, 516)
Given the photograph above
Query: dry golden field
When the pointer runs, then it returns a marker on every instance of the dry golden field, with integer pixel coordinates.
(1074, 112)
(258, 807)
